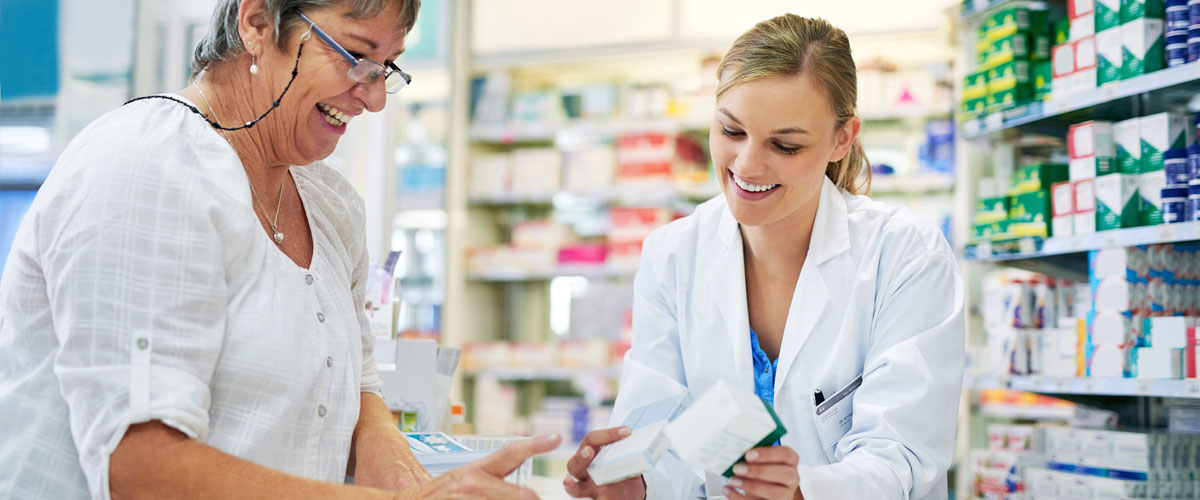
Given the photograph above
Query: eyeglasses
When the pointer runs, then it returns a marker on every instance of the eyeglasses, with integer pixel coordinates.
(363, 70)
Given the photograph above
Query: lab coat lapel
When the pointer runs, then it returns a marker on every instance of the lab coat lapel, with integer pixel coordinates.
(728, 290)
(830, 238)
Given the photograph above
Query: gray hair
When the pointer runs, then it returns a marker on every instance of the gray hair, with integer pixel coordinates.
(222, 42)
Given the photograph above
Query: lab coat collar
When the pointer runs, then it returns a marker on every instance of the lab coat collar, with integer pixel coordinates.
(831, 228)
(830, 238)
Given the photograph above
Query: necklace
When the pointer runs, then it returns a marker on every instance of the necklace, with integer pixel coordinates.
(275, 232)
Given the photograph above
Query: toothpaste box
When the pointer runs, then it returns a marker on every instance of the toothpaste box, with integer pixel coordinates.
(1150, 186)
(1085, 206)
(1128, 137)
(1109, 55)
(1160, 132)
(1091, 149)
(1108, 14)
(1117, 202)
(1142, 47)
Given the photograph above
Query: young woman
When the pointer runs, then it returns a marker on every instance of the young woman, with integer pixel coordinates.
(790, 283)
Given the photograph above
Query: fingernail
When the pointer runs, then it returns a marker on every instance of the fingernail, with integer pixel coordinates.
(625, 431)
(548, 438)
(585, 453)
(752, 455)
(740, 469)
(735, 482)
(729, 490)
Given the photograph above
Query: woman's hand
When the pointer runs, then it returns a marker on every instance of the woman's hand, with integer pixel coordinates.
(579, 484)
(484, 479)
(769, 473)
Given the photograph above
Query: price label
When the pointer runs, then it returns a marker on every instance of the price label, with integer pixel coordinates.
(1145, 387)
(1164, 233)
(1027, 245)
(1109, 92)
(1192, 389)
(994, 121)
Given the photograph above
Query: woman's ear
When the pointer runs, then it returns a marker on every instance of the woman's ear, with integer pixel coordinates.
(255, 26)
(844, 139)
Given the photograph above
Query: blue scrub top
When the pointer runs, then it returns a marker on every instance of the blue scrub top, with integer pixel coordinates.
(764, 370)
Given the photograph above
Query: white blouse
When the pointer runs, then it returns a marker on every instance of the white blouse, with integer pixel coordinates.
(142, 287)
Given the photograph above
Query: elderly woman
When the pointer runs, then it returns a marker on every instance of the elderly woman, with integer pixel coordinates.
(180, 316)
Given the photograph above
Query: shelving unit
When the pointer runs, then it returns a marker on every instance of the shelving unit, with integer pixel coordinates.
(1083, 386)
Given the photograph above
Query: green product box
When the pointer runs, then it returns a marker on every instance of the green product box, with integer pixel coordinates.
(1141, 47)
(1043, 74)
(991, 210)
(974, 107)
(1041, 47)
(1133, 10)
(1117, 202)
(975, 85)
(1031, 207)
(1127, 134)
(1001, 100)
(1108, 14)
(1061, 31)
(1109, 55)
(1037, 177)
(1012, 20)
(996, 231)
(1150, 186)
(1014, 47)
(1007, 75)
(1030, 229)
(1160, 132)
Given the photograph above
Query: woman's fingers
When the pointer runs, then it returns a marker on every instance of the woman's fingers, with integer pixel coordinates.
(770, 473)
(590, 446)
(501, 463)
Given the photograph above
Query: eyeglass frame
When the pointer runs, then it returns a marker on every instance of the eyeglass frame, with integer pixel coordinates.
(389, 68)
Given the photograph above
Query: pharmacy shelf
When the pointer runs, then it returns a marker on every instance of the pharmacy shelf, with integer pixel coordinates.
(1060, 255)
(591, 272)
(553, 373)
(1157, 91)
(549, 131)
(975, 10)
(911, 185)
(1166, 388)
(625, 196)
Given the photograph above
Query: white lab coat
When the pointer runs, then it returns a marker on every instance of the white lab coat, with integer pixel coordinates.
(879, 295)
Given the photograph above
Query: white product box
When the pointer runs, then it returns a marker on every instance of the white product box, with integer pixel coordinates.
(1160, 132)
(1157, 362)
(1108, 55)
(720, 427)
(1059, 350)
(1062, 225)
(1083, 26)
(630, 457)
(1109, 327)
(1173, 331)
(1091, 149)
(1142, 47)
(536, 171)
(1117, 204)
(1127, 135)
(491, 175)
(1085, 206)
(1108, 360)
(590, 170)
(1062, 203)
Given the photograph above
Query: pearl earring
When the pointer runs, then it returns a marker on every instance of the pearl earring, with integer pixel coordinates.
(253, 66)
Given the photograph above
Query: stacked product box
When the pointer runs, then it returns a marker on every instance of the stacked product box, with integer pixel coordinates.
(998, 471)
(1117, 279)
(1013, 47)
(1181, 196)
(1092, 150)
(1096, 464)
(1162, 135)
(1032, 326)
(1109, 53)
(1029, 212)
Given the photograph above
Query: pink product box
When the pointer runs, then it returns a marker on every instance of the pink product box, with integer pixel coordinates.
(582, 255)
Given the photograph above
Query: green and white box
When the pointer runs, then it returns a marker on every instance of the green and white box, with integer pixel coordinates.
(1141, 47)
(1108, 14)
(1127, 134)
(1108, 56)
(1133, 10)
(1150, 187)
(1117, 202)
(1160, 132)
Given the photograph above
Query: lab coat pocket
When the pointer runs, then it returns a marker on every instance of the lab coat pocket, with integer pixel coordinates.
(834, 416)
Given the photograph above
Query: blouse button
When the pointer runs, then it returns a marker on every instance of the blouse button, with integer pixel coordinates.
(308, 279)
(321, 317)
(329, 361)
(321, 411)
(142, 343)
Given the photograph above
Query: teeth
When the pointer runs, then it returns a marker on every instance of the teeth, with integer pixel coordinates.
(333, 115)
(753, 188)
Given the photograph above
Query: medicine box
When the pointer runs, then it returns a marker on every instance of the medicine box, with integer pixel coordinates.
(1043, 74)
(1150, 188)
(721, 426)
(1158, 362)
(1062, 200)
(1085, 206)
(1091, 149)
(1134, 10)
(1037, 177)
(1127, 135)
(1107, 360)
(1160, 132)
(990, 210)
(1117, 202)
(1109, 327)
(1109, 55)
(630, 457)
(975, 85)
(1107, 14)
(1030, 207)
(1142, 47)
(1172, 331)
(1010, 20)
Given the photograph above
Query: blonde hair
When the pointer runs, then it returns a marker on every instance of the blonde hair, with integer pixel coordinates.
(791, 45)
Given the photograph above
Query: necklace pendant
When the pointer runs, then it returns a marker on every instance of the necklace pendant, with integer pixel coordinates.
(278, 237)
